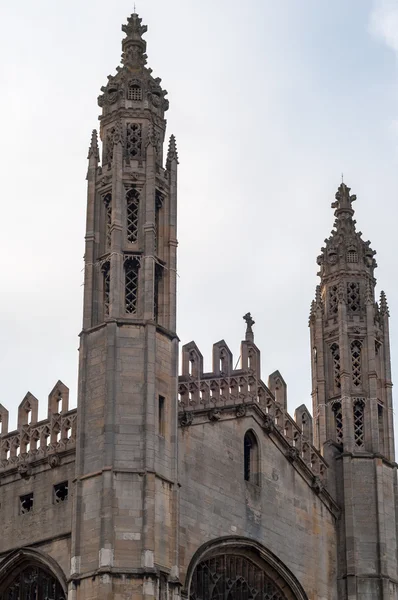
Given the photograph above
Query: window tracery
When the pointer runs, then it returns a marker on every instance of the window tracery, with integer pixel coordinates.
(356, 348)
(338, 419)
(359, 410)
(353, 297)
(335, 350)
(333, 300)
(134, 140)
(131, 285)
(108, 219)
(132, 199)
(232, 577)
(34, 583)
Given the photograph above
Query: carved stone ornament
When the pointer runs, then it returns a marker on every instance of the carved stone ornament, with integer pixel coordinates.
(293, 454)
(240, 410)
(214, 414)
(186, 419)
(268, 424)
(24, 471)
(317, 485)
(54, 461)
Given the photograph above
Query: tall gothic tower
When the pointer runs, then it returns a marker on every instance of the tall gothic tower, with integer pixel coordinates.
(124, 526)
(352, 404)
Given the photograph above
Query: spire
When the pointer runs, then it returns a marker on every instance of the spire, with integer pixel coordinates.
(249, 324)
(172, 152)
(133, 46)
(93, 151)
(384, 310)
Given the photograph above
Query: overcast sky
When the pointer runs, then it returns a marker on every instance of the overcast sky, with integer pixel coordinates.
(270, 101)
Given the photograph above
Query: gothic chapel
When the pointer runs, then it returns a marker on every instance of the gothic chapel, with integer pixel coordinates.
(199, 486)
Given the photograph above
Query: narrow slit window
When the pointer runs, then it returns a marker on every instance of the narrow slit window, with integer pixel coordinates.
(335, 350)
(251, 458)
(356, 348)
(106, 272)
(338, 418)
(380, 416)
(359, 414)
(161, 416)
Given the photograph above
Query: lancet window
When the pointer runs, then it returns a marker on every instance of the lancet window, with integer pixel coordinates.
(134, 140)
(333, 300)
(359, 414)
(33, 583)
(158, 277)
(232, 577)
(338, 419)
(356, 348)
(251, 458)
(131, 267)
(132, 200)
(353, 297)
(335, 350)
(108, 219)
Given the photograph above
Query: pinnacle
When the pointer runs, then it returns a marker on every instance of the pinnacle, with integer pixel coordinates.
(93, 150)
(384, 310)
(172, 153)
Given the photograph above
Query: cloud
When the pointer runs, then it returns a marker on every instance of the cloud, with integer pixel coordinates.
(384, 22)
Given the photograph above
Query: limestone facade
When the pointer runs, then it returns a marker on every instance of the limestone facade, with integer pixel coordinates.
(198, 486)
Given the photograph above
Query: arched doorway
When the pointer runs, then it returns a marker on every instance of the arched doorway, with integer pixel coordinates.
(240, 569)
(30, 575)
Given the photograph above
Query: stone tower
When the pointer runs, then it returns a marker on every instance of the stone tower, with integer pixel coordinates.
(352, 404)
(125, 508)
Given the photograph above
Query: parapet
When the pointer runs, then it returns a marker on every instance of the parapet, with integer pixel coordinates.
(225, 388)
(34, 440)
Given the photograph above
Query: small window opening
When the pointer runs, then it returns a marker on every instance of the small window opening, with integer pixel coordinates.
(131, 286)
(358, 411)
(59, 402)
(191, 367)
(18, 450)
(380, 416)
(161, 416)
(61, 491)
(58, 436)
(8, 454)
(68, 433)
(251, 458)
(26, 503)
(107, 287)
(134, 92)
(352, 256)
(29, 416)
(27, 448)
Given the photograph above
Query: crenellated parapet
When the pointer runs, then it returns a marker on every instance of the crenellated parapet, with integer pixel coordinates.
(212, 396)
(35, 440)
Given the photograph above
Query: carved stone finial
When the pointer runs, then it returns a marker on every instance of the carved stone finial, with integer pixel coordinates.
(343, 200)
(249, 324)
(93, 150)
(133, 45)
(384, 310)
(172, 154)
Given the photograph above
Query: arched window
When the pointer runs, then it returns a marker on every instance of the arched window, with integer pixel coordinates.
(338, 417)
(335, 350)
(251, 458)
(132, 199)
(234, 577)
(356, 348)
(131, 284)
(33, 583)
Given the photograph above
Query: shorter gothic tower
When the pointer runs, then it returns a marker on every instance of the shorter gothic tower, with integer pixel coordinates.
(352, 404)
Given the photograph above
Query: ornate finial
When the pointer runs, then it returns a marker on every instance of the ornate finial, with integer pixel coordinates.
(249, 324)
(172, 152)
(133, 45)
(93, 149)
(384, 310)
(343, 199)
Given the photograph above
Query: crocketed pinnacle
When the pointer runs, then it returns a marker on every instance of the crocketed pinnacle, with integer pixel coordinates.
(343, 201)
(384, 310)
(172, 152)
(133, 45)
(93, 150)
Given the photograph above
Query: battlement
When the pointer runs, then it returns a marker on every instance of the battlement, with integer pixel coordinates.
(225, 387)
(34, 440)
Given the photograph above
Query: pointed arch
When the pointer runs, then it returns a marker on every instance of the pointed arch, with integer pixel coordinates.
(227, 562)
(251, 460)
(39, 569)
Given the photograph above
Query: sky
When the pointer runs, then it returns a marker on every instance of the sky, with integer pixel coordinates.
(270, 103)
